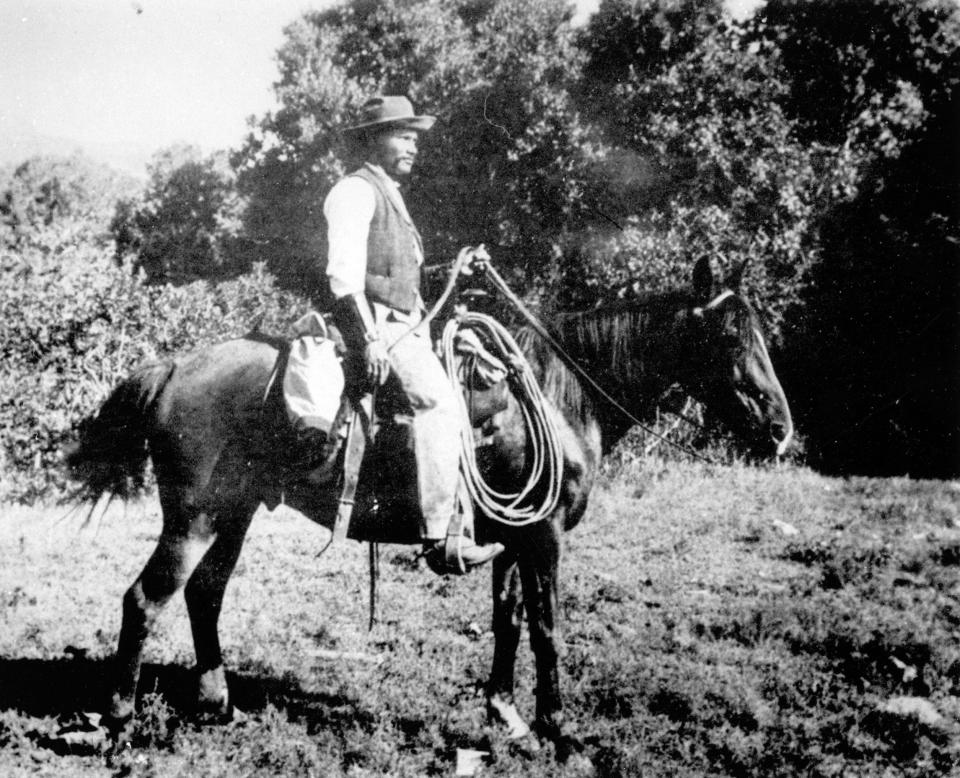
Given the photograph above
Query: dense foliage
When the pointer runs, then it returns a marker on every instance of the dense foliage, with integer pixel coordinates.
(597, 163)
(507, 165)
(815, 141)
(73, 323)
(50, 206)
(67, 339)
(880, 318)
(183, 227)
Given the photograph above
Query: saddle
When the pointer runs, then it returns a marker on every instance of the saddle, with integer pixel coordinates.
(367, 456)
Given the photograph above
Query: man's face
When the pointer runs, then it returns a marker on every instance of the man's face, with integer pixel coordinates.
(394, 150)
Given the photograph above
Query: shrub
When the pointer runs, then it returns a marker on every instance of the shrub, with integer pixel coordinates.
(184, 224)
(66, 338)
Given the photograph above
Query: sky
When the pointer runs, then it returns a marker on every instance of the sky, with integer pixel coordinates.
(123, 78)
(140, 74)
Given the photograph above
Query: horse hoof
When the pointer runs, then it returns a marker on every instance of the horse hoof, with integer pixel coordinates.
(568, 747)
(230, 715)
(579, 765)
(569, 751)
(118, 728)
(506, 715)
(527, 746)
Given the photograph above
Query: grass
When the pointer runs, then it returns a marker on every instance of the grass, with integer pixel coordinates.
(700, 638)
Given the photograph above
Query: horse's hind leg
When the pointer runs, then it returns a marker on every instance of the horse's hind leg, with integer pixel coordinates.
(180, 548)
(507, 623)
(204, 596)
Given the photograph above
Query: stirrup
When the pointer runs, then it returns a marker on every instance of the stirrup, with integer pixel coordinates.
(451, 547)
(451, 552)
(446, 556)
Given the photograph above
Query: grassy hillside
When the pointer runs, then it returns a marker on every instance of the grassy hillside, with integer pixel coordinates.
(721, 621)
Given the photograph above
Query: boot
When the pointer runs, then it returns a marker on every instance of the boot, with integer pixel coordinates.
(458, 554)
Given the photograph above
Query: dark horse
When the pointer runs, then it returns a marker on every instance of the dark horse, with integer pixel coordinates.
(216, 459)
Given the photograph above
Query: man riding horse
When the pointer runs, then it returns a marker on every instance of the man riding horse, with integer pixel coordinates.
(373, 267)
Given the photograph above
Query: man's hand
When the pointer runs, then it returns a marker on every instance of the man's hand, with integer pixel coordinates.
(378, 362)
(472, 258)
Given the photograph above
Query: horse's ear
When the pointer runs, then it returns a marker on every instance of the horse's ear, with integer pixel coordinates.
(706, 279)
(735, 279)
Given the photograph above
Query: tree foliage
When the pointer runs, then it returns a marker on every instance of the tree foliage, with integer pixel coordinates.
(880, 320)
(67, 338)
(853, 66)
(181, 227)
(73, 323)
(703, 158)
(815, 141)
(50, 205)
(504, 166)
(818, 142)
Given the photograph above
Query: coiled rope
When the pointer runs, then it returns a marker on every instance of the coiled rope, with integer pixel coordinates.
(545, 472)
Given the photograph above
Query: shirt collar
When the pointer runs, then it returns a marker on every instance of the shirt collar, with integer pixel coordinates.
(382, 174)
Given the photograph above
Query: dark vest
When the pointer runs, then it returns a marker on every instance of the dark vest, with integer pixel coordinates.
(393, 274)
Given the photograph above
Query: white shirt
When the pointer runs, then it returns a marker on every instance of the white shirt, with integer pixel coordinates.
(349, 209)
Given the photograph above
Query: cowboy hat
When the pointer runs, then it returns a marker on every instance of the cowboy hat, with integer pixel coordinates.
(390, 110)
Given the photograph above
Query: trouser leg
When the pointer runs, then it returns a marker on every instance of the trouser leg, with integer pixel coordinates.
(436, 430)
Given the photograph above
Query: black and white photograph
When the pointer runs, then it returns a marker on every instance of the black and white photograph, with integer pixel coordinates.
(516, 388)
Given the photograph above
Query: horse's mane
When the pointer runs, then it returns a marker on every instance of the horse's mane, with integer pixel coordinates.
(611, 342)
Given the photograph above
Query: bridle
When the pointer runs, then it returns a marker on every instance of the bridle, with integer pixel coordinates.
(479, 260)
(714, 303)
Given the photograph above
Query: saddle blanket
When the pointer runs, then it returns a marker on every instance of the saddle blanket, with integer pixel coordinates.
(313, 382)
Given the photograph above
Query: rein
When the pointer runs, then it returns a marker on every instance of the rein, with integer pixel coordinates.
(483, 262)
(547, 468)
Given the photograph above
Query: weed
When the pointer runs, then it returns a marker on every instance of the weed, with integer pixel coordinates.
(155, 723)
(283, 747)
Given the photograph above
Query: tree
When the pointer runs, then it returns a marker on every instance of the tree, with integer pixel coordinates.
(701, 158)
(880, 319)
(51, 207)
(599, 164)
(181, 228)
(844, 60)
(504, 165)
(629, 41)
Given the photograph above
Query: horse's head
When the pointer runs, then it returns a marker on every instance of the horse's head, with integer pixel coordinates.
(729, 368)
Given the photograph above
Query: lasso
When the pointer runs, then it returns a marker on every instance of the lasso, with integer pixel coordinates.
(546, 468)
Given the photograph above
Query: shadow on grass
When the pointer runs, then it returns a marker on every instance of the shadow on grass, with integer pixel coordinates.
(51, 687)
(62, 687)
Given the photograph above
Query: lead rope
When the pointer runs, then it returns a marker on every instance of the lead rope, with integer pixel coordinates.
(545, 473)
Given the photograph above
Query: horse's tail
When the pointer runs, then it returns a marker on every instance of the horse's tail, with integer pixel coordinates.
(111, 455)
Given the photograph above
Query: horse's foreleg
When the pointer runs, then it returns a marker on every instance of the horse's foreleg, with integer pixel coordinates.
(507, 622)
(539, 563)
(165, 573)
(204, 596)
